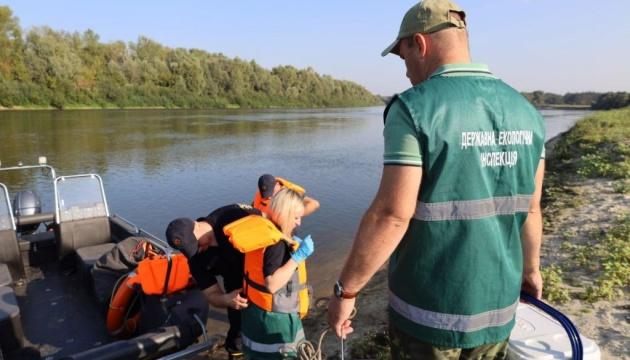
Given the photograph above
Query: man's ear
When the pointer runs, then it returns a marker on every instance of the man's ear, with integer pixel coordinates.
(422, 42)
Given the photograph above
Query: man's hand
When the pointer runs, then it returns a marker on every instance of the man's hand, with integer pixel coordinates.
(234, 300)
(532, 283)
(339, 311)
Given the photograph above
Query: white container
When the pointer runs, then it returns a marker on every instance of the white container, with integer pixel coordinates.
(538, 336)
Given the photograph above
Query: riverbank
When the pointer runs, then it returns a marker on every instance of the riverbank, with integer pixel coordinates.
(564, 107)
(226, 107)
(82, 107)
(586, 251)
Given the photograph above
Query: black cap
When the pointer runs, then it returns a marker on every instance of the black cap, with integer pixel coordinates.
(266, 184)
(180, 235)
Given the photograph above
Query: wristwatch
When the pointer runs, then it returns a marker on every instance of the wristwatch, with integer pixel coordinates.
(341, 293)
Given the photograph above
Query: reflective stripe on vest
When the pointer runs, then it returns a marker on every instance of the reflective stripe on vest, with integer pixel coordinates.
(452, 322)
(472, 209)
(273, 348)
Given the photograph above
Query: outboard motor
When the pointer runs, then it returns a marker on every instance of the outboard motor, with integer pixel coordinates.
(27, 202)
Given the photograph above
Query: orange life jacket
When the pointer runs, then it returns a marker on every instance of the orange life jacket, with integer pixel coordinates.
(251, 235)
(152, 273)
(149, 278)
(289, 185)
(262, 203)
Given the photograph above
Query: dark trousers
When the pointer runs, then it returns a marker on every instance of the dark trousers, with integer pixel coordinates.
(232, 283)
(234, 316)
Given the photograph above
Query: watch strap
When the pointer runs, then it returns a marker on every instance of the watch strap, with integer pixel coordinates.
(349, 295)
(343, 294)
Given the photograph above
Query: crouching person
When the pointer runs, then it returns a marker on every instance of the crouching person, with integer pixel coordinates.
(210, 255)
(275, 279)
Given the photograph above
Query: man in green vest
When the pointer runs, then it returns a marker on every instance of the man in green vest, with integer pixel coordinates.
(457, 212)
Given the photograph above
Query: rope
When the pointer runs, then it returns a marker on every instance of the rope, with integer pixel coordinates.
(306, 350)
(116, 285)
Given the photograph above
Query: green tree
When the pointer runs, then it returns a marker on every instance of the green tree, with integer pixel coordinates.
(56, 68)
(612, 100)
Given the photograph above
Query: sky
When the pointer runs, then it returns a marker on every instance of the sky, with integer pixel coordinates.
(552, 45)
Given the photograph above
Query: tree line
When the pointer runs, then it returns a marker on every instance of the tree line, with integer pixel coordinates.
(45, 67)
(595, 100)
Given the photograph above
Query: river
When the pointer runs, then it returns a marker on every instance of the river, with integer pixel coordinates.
(161, 164)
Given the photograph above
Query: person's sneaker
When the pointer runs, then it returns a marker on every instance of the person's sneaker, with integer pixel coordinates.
(234, 347)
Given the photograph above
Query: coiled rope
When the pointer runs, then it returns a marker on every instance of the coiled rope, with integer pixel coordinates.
(306, 350)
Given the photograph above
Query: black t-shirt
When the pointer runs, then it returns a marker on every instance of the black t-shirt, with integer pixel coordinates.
(223, 260)
(275, 256)
(204, 267)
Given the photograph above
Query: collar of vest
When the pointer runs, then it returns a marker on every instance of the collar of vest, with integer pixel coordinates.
(462, 70)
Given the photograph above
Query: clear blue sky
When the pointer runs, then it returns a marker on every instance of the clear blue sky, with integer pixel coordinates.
(554, 45)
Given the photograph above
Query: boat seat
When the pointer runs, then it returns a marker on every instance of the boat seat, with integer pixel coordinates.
(28, 241)
(5, 275)
(87, 257)
(11, 333)
(77, 234)
(40, 247)
(10, 254)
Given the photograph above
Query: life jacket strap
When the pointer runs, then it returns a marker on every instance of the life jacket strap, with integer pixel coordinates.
(256, 285)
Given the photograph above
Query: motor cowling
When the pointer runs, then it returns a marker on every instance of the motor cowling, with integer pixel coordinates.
(27, 203)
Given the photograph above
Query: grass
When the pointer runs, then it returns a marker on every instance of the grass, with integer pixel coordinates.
(554, 290)
(373, 345)
(612, 254)
(622, 187)
(596, 147)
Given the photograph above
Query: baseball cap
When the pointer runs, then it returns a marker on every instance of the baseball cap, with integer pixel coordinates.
(266, 184)
(426, 17)
(180, 235)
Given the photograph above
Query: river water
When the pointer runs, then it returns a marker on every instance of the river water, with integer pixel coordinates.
(161, 164)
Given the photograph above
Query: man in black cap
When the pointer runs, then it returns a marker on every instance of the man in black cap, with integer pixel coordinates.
(210, 254)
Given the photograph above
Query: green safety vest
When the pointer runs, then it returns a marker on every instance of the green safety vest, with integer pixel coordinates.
(455, 278)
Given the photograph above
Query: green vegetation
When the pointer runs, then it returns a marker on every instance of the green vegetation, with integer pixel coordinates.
(47, 68)
(554, 290)
(596, 147)
(373, 345)
(612, 256)
(593, 100)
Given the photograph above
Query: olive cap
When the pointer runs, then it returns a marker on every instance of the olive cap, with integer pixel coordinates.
(426, 17)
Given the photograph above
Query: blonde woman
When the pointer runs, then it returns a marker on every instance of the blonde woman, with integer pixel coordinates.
(275, 281)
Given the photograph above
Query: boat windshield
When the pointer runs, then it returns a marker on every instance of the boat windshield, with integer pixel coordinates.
(6, 218)
(80, 197)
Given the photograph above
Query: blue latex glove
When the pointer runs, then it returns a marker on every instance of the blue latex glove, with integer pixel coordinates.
(305, 249)
(297, 239)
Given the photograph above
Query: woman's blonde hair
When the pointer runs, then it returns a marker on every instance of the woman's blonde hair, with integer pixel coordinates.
(284, 205)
